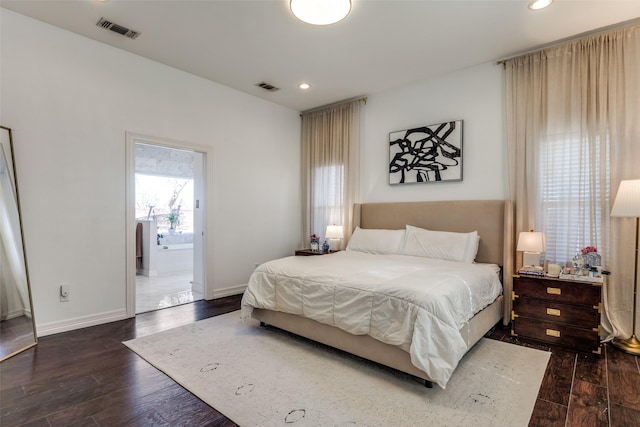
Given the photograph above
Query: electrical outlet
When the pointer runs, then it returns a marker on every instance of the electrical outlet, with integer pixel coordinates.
(64, 293)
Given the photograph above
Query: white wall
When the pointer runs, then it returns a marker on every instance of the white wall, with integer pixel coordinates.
(69, 101)
(474, 95)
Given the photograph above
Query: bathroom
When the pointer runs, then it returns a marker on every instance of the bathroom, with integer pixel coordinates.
(165, 200)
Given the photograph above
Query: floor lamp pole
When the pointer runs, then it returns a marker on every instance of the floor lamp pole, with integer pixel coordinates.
(631, 345)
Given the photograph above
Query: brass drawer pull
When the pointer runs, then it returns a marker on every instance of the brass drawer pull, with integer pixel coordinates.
(553, 312)
(553, 333)
(554, 291)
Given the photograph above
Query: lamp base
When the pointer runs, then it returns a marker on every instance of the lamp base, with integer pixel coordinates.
(531, 258)
(630, 345)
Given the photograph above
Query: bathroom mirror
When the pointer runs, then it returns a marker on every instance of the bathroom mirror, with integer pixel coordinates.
(17, 325)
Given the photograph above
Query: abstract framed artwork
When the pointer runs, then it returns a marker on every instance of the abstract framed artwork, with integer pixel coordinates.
(426, 154)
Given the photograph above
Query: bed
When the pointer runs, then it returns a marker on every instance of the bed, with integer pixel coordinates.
(426, 353)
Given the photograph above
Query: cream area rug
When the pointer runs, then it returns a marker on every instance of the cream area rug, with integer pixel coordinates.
(259, 376)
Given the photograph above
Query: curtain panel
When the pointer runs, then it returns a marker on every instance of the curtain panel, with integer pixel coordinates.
(330, 167)
(573, 133)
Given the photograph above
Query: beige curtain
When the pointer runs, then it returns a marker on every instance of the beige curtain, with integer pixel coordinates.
(573, 133)
(330, 167)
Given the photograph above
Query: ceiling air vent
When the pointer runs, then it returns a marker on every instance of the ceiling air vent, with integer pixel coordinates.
(267, 86)
(117, 28)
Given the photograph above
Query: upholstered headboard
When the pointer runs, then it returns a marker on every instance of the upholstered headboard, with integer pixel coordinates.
(493, 219)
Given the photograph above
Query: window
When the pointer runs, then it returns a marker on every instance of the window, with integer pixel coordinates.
(330, 167)
(328, 197)
(572, 200)
(157, 196)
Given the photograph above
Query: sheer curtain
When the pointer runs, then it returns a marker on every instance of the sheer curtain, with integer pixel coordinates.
(330, 167)
(573, 133)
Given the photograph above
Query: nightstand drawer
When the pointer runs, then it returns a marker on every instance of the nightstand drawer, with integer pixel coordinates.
(557, 290)
(576, 315)
(586, 340)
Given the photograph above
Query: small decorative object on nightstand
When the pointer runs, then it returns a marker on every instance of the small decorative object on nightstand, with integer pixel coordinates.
(591, 257)
(315, 242)
(557, 311)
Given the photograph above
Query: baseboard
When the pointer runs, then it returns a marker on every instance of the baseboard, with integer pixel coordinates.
(44, 329)
(51, 328)
(227, 292)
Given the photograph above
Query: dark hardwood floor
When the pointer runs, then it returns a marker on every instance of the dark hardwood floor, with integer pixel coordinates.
(88, 378)
(583, 391)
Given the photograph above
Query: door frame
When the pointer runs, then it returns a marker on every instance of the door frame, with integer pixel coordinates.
(130, 203)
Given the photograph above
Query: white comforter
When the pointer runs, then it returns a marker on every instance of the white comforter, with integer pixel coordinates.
(415, 303)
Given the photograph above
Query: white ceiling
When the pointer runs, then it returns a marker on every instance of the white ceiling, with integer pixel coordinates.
(381, 45)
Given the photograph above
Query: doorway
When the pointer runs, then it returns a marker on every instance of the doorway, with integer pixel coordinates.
(166, 182)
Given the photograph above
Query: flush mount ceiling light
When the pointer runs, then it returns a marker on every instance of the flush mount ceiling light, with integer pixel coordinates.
(304, 86)
(539, 4)
(320, 12)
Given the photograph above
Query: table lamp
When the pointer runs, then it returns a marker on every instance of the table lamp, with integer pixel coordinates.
(532, 244)
(334, 234)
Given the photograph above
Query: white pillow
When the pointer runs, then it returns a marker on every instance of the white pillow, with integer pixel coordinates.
(446, 245)
(472, 247)
(376, 241)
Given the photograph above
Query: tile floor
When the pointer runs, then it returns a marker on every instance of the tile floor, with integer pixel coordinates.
(153, 293)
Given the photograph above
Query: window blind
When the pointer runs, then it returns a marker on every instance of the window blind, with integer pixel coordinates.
(570, 194)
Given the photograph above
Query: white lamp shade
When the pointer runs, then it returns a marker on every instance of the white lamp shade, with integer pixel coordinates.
(320, 12)
(627, 202)
(531, 241)
(334, 232)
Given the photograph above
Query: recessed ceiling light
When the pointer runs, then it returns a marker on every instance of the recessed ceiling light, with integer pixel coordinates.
(320, 12)
(539, 4)
(304, 86)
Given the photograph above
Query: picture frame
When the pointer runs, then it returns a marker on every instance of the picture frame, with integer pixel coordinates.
(426, 154)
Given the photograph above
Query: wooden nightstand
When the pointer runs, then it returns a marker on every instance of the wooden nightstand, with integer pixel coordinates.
(309, 252)
(557, 311)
